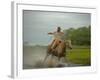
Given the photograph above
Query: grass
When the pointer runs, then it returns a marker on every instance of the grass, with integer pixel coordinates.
(80, 56)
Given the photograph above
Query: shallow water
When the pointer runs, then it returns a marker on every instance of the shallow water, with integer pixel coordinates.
(33, 58)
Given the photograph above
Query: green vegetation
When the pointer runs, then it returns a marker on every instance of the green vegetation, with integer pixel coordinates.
(79, 36)
(81, 41)
(80, 56)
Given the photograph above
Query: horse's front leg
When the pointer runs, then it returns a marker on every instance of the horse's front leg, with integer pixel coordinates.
(51, 63)
(47, 53)
(59, 59)
(46, 57)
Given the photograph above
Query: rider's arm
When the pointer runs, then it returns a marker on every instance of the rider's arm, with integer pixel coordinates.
(51, 33)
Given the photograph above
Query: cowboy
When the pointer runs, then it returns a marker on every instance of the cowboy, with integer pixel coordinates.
(58, 38)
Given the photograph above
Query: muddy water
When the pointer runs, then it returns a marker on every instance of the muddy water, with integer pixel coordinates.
(33, 57)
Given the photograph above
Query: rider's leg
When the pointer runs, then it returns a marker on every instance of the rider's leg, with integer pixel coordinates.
(52, 42)
(54, 45)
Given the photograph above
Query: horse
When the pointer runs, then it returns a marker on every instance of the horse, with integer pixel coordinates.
(60, 50)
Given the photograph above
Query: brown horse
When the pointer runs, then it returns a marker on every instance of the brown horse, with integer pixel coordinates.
(60, 50)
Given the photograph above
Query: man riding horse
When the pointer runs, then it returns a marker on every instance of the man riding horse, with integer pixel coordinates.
(58, 38)
(58, 46)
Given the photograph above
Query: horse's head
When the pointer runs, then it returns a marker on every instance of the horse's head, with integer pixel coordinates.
(68, 44)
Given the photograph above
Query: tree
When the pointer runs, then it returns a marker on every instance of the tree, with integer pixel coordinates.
(79, 36)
